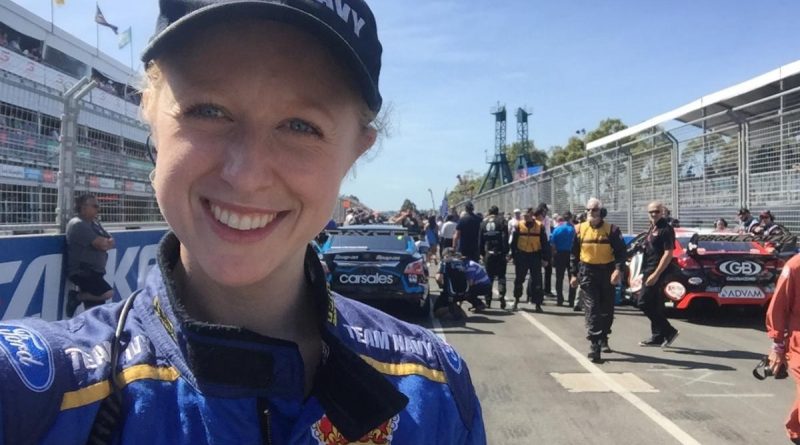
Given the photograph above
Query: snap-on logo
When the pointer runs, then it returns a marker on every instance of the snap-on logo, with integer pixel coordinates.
(375, 278)
(734, 267)
(29, 355)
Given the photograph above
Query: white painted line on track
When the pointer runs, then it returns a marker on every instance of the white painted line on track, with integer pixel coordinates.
(732, 395)
(661, 420)
(437, 327)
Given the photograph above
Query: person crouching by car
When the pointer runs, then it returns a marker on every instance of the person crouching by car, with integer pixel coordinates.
(88, 244)
(783, 328)
(462, 279)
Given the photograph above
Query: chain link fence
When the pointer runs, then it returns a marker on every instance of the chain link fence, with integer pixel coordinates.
(702, 165)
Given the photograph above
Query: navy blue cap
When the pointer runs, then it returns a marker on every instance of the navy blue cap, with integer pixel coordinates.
(347, 27)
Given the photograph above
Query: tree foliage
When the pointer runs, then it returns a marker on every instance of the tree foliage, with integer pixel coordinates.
(573, 150)
(468, 185)
(537, 157)
(575, 147)
(408, 205)
(711, 155)
(604, 128)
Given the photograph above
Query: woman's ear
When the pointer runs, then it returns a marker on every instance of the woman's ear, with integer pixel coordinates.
(366, 140)
(147, 105)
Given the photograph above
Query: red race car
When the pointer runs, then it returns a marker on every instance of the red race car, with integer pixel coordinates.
(727, 268)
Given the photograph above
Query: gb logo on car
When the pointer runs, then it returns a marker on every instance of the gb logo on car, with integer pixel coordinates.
(733, 267)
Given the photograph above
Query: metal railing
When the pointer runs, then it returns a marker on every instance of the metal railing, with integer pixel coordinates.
(747, 156)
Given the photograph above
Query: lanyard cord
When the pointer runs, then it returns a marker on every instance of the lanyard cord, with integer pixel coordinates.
(109, 414)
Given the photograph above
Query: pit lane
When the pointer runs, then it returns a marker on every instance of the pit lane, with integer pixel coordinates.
(700, 390)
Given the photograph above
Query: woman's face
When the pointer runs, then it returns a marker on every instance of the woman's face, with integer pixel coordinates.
(255, 125)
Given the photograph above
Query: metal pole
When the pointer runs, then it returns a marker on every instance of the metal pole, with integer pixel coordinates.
(781, 166)
(744, 164)
(433, 201)
(674, 173)
(703, 151)
(66, 152)
(570, 192)
(629, 186)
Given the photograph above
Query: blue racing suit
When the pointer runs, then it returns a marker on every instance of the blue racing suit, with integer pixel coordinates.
(177, 380)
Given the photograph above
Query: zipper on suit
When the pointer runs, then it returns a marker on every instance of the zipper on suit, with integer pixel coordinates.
(265, 417)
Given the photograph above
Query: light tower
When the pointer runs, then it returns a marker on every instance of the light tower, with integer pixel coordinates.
(523, 159)
(499, 173)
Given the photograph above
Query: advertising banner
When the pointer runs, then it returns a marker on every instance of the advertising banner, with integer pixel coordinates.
(39, 73)
(12, 171)
(32, 269)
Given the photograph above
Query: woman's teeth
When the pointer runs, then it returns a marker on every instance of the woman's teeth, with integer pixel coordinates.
(240, 221)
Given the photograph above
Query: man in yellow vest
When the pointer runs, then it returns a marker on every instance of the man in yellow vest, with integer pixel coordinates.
(530, 251)
(597, 261)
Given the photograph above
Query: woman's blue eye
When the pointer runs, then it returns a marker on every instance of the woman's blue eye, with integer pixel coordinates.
(207, 111)
(302, 126)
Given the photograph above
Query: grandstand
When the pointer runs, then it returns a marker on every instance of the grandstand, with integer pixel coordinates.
(38, 63)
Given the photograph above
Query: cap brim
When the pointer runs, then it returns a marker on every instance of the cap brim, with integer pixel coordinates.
(278, 12)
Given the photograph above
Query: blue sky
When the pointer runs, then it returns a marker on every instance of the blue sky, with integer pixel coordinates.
(572, 63)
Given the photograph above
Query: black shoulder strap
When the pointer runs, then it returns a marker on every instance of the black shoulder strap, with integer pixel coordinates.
(109, 415)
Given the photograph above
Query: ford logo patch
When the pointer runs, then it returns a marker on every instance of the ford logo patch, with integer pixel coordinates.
(734, 267)
(30, 356)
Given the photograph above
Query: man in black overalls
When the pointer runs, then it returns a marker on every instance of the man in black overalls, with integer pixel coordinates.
(494, 248)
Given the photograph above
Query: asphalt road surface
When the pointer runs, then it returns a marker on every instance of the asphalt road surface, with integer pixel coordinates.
(537, 386)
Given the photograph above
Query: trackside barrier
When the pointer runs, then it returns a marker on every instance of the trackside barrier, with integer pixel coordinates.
(739, 147)
(32, 271)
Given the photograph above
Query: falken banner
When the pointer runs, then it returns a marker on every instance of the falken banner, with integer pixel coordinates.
(32, 271)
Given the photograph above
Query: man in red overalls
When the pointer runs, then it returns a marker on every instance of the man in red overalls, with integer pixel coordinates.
(783, 327)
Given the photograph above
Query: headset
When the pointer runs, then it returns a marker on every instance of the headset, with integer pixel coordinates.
(603, 212)
(109, 415)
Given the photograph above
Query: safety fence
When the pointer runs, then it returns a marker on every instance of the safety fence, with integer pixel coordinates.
(702, 166)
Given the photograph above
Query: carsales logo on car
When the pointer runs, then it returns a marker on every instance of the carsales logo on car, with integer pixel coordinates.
(366, 279)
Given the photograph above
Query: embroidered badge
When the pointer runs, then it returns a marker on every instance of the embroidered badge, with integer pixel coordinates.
(453, 359)
(29, 355)
(327, 434)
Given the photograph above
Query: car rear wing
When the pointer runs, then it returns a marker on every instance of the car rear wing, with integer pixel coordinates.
(368, 232)
(779, 243)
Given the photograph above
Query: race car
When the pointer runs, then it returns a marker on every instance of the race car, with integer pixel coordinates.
(726, 268)
(376, 262)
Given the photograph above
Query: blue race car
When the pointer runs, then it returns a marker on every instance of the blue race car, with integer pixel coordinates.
(376, 262)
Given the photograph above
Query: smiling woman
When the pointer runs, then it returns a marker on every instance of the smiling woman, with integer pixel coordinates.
(258, 109)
